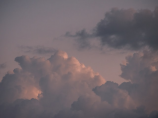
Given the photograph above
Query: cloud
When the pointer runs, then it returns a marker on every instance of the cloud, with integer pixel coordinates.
(61, 86)
(38, 50)
(92, 106)
(125, 29)
(134, 99)
(82, 38)
(142, 71)
(46, 85)
(2, 70)
(111, 93)
(3, 65)
(22, 109)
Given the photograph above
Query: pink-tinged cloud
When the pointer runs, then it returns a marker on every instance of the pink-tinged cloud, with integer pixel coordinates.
(55, 82)
(61, 86)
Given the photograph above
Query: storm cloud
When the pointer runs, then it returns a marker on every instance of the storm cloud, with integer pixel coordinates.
(61, 86)
(125, 29)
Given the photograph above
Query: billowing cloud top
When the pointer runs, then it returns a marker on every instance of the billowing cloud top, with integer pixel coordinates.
(49, 85)
(63, 87)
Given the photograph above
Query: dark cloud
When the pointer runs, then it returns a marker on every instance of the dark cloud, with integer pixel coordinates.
(126, 29)
(22, 109)
(90, 107)
(38, 50)
(111, 93)
(82, 37)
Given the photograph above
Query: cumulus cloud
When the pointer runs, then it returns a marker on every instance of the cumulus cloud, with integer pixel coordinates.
(111, 93)
(61, 86)
(125, 28)
(134, 99)
(141, 70)
(49, 84)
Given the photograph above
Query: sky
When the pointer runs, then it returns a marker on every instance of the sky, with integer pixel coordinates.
(79, 58)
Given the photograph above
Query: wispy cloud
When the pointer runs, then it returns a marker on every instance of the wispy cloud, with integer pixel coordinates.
(3, 65)
(38, 49)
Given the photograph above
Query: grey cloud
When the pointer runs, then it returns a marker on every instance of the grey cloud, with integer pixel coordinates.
(141, 70)
(125, 29)
(111, 93)
(2, 70)
(38, 50)
(82, 38)
(83, 34)
(92, 107)
(22, 109)
(3, 65)
(154, 114)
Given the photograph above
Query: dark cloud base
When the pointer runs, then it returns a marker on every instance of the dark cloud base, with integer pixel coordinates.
(124, 29)
(61, 87)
